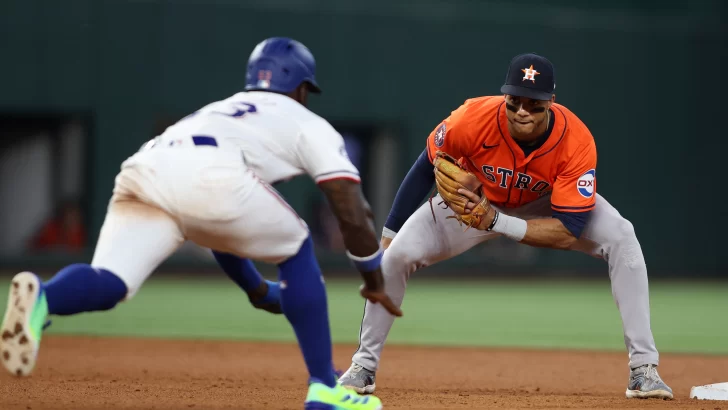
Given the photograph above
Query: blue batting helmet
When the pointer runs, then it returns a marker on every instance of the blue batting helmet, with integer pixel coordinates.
(280, 64)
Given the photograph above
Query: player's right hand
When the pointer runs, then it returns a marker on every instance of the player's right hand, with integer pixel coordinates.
(385, 242)
(379, 296)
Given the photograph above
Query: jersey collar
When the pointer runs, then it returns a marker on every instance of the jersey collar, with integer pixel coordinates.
(557, 134)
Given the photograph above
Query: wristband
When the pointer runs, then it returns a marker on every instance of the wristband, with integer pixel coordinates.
(495, 219)
(367, 263)
(510, 226)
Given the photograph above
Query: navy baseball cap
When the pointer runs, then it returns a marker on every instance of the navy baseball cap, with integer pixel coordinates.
(530, 75)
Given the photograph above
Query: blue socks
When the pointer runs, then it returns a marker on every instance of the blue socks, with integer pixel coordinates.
(243, 272)
(303, 298)
(273, 295)
(80, 288)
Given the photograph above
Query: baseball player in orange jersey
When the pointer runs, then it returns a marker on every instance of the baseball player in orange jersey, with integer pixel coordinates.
(537, 164)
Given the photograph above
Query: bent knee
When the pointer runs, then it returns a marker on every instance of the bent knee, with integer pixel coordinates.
(399, 261)
(624, 246)
(623, 230)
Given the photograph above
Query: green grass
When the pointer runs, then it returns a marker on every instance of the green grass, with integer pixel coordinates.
(685, 318)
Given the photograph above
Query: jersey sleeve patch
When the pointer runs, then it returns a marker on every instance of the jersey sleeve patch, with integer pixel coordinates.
(440, 135)
(585, 184)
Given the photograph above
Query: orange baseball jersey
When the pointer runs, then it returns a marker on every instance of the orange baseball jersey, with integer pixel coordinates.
(564, 165)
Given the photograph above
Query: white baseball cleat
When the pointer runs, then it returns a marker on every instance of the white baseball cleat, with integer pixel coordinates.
(23, 324)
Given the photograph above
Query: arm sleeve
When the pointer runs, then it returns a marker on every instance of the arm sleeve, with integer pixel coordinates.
(573, 221)
(323, 154)
(411, 193)
(575, 187)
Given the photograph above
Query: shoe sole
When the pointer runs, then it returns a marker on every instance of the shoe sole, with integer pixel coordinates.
(361, 390)
(654, 394)
(19, 348)
(325, 406)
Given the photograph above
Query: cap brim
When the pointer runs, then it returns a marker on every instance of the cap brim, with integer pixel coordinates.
(526, 92)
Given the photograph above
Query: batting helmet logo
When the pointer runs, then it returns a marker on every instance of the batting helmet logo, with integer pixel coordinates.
(264, 77)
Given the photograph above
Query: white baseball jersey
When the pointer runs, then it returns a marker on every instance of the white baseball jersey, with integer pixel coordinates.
(206, 179)
(279, 138)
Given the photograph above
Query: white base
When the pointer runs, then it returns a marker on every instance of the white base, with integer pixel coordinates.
(717, 391)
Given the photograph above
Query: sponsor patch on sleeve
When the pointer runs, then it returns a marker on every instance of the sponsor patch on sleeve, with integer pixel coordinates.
(585, 184)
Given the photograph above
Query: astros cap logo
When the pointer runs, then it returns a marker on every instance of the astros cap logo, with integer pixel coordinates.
(530, 74)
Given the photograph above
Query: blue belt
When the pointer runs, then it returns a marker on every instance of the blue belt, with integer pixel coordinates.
(204, 140)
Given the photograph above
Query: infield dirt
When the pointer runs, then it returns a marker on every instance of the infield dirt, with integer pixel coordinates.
(118, 373)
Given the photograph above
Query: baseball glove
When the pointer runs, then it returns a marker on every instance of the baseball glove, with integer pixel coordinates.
(451, 175)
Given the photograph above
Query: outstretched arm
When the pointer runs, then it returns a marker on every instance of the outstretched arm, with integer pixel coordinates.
(546, 233)
(572, 200)
(357, 227)
(558, 232)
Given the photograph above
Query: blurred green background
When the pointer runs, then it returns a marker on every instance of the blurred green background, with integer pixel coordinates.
(686, 317)
(646, 76)
(83, 83)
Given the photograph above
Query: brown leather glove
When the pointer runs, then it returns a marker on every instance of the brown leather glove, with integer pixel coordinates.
(451, 175)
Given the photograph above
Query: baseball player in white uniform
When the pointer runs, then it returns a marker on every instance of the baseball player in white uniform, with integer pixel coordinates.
(207, 179)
